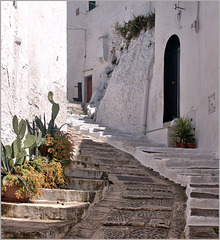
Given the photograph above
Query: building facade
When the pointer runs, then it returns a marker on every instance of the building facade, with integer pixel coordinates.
(170, 71)
(33, 61)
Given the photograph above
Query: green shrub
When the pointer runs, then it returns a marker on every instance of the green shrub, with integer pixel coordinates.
(132, 28)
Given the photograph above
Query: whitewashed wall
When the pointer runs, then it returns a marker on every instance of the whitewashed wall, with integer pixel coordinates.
(199, 69)
(33, 61)
(99, 24)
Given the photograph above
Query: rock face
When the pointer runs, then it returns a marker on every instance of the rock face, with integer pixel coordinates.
(33, 61)
(122, 106)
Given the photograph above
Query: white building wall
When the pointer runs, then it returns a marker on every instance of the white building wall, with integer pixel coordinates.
(199, 69)
(33, 61)
(199, 66)
(100, 36)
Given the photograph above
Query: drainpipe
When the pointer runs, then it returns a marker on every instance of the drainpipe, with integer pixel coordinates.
(195, 23)
(147, 90)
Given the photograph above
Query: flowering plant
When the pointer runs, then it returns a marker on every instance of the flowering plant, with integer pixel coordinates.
(26, 178)
(60, 147)
(52, 171)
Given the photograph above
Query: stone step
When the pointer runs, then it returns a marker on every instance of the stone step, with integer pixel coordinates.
(205, 185)
(204, 179)
(185, 163)
(74, 108)
(16, 228)
(202, 221)
(203, 203)
(88, 184)
(197, 194)
(201, 232)
(204, 190)
(64, 195)
(88, 174)
(74, 211)
(204, 212)
(179, 151)
(197, 171)
(85, 165)
(181, 155)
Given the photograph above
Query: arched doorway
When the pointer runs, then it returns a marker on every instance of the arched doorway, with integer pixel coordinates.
(172, 79)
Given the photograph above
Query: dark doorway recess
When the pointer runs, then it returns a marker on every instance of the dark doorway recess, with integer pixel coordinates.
(89, 88)
(172, 79)
(79, 98)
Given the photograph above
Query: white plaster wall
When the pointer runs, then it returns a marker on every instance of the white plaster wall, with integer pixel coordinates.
(99, 24)
(36, 65)
(199, 67)
(122, 107)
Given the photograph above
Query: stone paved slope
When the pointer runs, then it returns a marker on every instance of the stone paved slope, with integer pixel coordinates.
(139, 204)
(197, 171)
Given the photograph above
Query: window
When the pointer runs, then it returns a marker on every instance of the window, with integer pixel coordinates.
(92, 5)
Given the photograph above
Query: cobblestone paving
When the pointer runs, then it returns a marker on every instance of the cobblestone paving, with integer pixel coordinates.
(140, 204)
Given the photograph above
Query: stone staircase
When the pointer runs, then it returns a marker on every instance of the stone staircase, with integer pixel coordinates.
(194, 169)
(57, 210)
(75, 108)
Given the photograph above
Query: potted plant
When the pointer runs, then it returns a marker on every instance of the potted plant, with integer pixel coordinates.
(182, 130)
(46, 129)
(17, 177)
(191, 142)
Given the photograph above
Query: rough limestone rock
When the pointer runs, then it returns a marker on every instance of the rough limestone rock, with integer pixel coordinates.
(122, 106)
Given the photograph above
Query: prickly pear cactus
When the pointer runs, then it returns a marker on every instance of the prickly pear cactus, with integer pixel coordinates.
(15, 124)
(29, 141)
(22, 128)
(19, 127)
(55, 106)
(50, 97)
(55, 110)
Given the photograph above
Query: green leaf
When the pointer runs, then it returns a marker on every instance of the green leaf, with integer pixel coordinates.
(20, 158)
(8, 151)
(66, 161)
(4, 160)
(22, 128)
(11, 164)
(29, 141)
(55, 110)
(15, 124)
(18, 141)
(14, 148)
(39, 123)
(50, 97)
(4, 180)
(24, 182)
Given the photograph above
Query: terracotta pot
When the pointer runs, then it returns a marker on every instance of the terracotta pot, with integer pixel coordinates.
(182, 145)
(9, 195)
(191, 145)
(44, 150)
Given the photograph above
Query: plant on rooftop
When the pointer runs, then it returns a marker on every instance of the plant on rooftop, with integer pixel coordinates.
(132, 28)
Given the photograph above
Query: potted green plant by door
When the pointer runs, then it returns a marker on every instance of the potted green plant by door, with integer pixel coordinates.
(182, 131)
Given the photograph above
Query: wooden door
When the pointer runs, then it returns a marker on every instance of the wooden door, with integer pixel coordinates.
(172, 79)
(89, 88)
